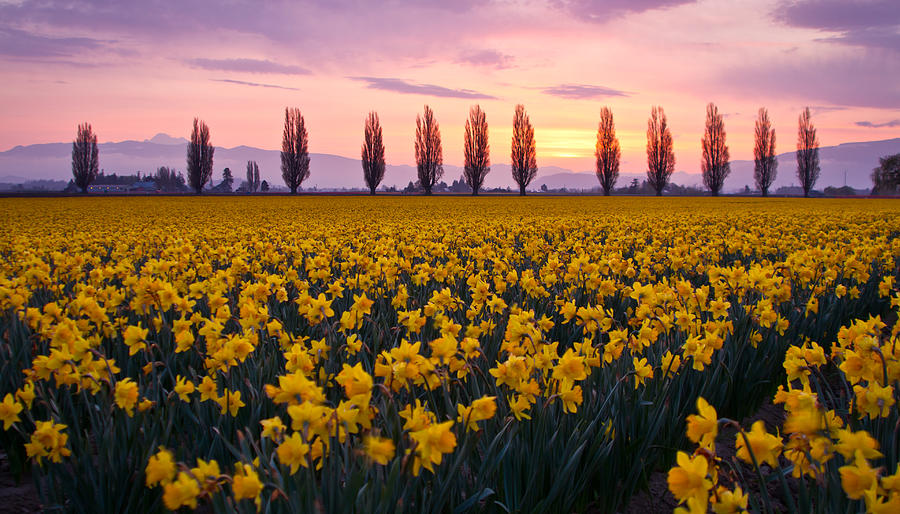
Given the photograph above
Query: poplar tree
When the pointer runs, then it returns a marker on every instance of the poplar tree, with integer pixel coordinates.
(429, 154)
(294, 150)
(85, 157)
(807, 153)
(660, 155)
(477, 149)
(199, 157)
(373, 153)
(252, 177)
(765, 165)
(523, 159)
(715, 165)
(607, 152)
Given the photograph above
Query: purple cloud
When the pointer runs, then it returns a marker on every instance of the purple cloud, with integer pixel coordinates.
(837, 82)
(279, 21)
(402, 86)
(582, 91)
(602, 10)
(444, 5)
(155, 17)
(839, 14)
(892, 123)
(824, 109)
(487, 58)
(19, 43)
(247, 66)
(869, 23)
(254, 84)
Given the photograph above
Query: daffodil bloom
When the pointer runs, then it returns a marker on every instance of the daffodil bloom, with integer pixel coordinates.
(245, 483)
(417, 418)
(567, 310)
(272, 427)
(730, 502)
(208, 389)
(354, 344)
(642, 371)
(26, 394)
(134, 337)
(858, 478)
(806, 418)
(145, 405)
(570, 395)
(808, 453)
(183, 388)
(9, 411)
(354, 380)
(182, 492)
(876, 504)
(857, 446)
(519, 406)
(295, 388)
(362, 305)
(765, 447)
(205, 471)
(692, 506)
(443, 348)
(484, 408)
(160, 468)
(570, 367)
(432, 442)
(292, 452)
(703, 428)
(230, 402)
(379, 449)
(126, 395)
(874, 400)
(670, 364)
(480, 410)
(689, 480)
(307, 416)
(48, 440)
(319, 309)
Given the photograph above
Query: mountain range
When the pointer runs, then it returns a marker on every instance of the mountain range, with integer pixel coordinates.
(844, 164)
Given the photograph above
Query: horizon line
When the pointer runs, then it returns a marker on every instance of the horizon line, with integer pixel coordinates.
(413, 165)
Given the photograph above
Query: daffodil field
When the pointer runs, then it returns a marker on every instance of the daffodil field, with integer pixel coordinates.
(440, 354)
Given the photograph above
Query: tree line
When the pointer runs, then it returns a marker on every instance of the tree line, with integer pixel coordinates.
(715, 163)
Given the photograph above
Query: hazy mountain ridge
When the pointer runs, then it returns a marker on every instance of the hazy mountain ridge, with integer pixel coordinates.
(51, 161)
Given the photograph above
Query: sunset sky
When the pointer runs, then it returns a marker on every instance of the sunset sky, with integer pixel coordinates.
(135, 68)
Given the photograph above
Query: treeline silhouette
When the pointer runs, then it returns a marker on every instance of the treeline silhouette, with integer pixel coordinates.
(295, 160)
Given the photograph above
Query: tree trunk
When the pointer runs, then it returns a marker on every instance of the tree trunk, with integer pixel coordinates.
(659, 192)
(522, 190)
(372, 191)
(606, 192)
(715, 192)
(293, 190)
(474, 192)
(765, 193)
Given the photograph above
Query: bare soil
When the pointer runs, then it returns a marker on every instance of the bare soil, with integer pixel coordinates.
(16, 498)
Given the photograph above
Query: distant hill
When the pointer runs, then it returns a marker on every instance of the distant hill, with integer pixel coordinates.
(856, 159)
(52, 161)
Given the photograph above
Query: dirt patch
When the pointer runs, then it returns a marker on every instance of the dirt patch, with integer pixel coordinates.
(16, 498)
